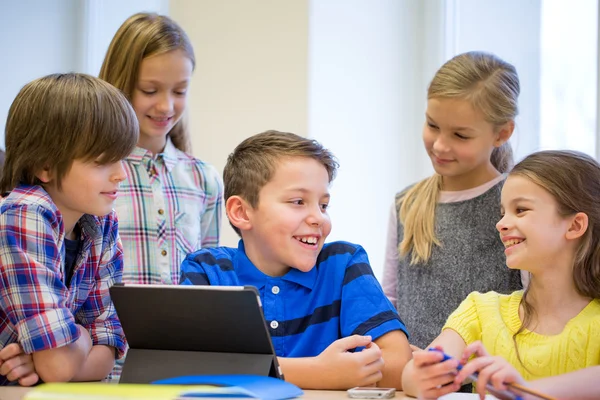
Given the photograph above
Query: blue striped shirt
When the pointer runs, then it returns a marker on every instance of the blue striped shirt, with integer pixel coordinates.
(305, 311)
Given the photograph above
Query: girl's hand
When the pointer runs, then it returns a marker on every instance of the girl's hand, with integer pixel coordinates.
(432, 377)
(493, 370)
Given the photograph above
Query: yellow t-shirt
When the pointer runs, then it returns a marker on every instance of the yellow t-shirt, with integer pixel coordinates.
(494, 318)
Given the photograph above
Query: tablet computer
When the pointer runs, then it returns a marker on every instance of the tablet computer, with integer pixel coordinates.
(193, 330)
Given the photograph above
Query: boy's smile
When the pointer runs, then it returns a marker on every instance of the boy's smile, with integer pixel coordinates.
(290, 223)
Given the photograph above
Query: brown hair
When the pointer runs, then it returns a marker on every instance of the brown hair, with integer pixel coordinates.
(141, 36)
(253, 162)
(64, 117)
(573, 179)
(491, 85)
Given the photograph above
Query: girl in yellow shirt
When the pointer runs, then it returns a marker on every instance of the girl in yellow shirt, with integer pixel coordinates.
(551, 229)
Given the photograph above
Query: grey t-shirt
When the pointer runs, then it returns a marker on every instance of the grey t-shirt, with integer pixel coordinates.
(470, 258)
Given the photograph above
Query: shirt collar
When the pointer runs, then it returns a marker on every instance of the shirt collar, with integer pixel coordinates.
(251, 275)
(169, 155)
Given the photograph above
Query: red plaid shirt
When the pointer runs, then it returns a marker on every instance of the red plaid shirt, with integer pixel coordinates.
(37, 309)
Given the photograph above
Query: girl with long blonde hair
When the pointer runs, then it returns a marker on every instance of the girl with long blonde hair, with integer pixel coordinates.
(442, 243)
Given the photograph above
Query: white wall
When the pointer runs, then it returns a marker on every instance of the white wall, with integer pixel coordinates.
(511, 29)
(37, 38)
(369, 66)
(251, 73)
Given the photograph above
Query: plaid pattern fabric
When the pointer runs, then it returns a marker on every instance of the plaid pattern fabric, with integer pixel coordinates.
(169, 206)
(37, 310)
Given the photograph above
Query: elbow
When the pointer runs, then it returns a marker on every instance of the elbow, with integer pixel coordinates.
(55, 373)
(55, 365)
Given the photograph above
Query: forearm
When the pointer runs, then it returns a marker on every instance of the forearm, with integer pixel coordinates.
(61, 364)
(395, 361)
(303, 372)
(100, 361)
(408, 379)
(579, 385)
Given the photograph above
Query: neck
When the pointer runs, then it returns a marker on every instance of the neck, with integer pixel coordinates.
(262, 263)
(471, 179)
(554, 293)
(155, 145)
(70, 231)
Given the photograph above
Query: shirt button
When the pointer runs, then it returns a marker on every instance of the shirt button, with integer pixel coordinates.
(161, 211)
(164, 252)
(275, 289)
(274, 324)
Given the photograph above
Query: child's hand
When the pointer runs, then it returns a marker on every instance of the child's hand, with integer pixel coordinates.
(434, 378)
(346, 369)
(16, 365)
(491, 369)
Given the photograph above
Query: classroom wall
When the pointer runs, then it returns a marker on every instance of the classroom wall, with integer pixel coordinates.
(36, 38)
(251, 73)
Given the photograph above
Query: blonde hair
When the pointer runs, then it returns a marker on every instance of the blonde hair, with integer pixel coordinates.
(492, 87)
(254, 161)
(573, 180)
(64, 117)
(141, 36)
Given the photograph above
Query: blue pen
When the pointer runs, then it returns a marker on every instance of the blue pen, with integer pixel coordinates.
(501, 394)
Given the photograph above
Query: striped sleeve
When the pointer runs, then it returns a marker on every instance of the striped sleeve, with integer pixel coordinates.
(365, 308)
(465, 319)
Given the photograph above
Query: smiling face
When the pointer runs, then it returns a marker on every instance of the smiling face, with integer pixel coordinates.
(459, 142)
(87, 188)
(533, 232)
(289, 225)
(160, 96)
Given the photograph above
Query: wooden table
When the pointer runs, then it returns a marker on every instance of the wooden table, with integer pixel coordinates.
(17, 393)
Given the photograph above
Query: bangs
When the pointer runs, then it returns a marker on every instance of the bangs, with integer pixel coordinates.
(111, 131)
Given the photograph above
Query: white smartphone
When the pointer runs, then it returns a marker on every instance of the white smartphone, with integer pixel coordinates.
(360, 392)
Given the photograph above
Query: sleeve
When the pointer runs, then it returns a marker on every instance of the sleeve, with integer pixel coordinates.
(97, 314)
(390, 267)
(364, 308)
(192, 272)
(465, 319)
(32, 294)
(210, 221)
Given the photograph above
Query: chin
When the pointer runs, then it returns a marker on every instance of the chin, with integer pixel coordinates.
(305, 267)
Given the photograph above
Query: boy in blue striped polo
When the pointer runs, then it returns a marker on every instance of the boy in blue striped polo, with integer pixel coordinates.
(321, 301)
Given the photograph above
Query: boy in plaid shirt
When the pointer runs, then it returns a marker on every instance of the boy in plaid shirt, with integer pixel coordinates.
(66, 135)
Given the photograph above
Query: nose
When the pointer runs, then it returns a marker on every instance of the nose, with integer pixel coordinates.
(440, 145)
(316, 216)
(165, 103)
(503, 224)
(119, 174)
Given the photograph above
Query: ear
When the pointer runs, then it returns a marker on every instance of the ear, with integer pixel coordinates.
(44, 175)
(238, 212)
(504, 133)
(578, 226)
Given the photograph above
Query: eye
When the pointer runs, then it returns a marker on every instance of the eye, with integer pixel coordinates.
(324, 206)
(180, 92)
(148, 92)
(462, 137)
(432, 125)
(297, 202)
(521, 210)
